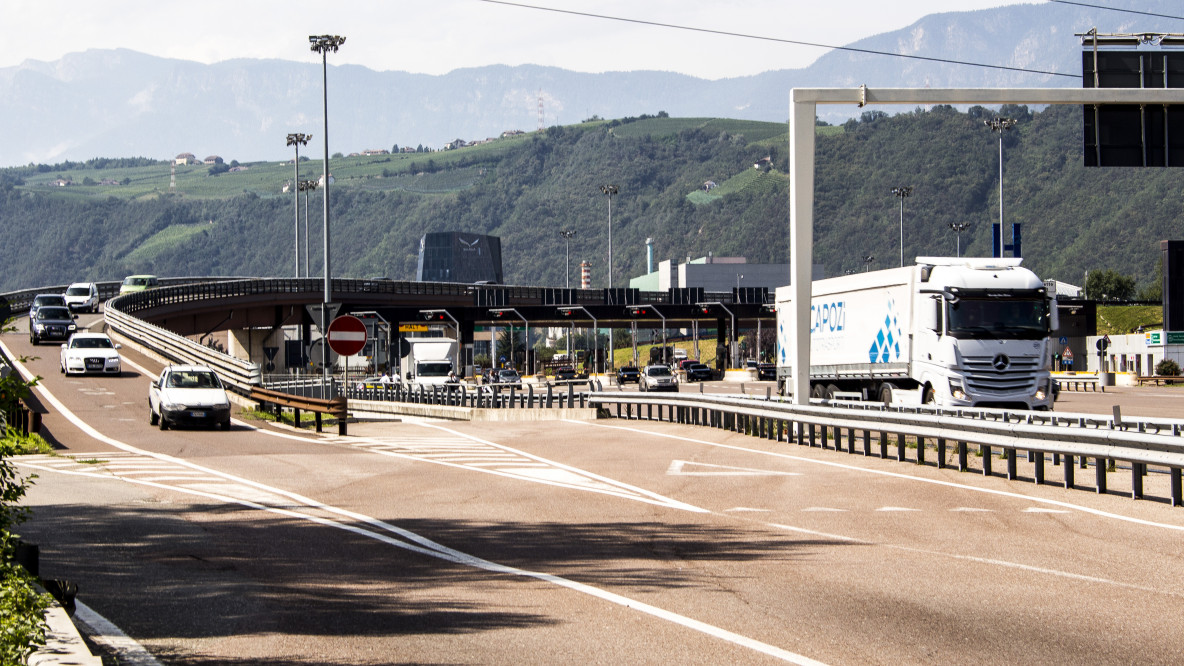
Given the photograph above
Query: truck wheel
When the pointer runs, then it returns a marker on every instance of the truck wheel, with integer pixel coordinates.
(831, 390)
(928, 397)
(886, 394)
(818, 392)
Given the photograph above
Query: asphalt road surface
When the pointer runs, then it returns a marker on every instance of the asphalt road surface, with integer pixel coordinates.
(602, 542)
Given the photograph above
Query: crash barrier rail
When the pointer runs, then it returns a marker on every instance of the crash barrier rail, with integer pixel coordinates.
(1075, 438)
(487, 396)
(1158, 379)
(238, 375)
(1081, 382)
(18, 302)
(336, 407)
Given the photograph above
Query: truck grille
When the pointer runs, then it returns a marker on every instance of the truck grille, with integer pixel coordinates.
(1001, 374)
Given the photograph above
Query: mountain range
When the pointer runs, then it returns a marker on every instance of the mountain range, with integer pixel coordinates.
(120, 103)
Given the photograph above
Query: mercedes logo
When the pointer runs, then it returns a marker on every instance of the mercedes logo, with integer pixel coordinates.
(1000, 362)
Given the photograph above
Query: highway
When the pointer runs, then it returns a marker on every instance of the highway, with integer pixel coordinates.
(606, 542)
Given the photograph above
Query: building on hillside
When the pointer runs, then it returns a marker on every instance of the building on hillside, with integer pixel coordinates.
(451, 256)
(321, 180)
(184, 159)
(455, 143)
(212, 159)
(369, 152)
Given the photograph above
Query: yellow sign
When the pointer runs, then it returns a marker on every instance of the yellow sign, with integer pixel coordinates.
(413, 328)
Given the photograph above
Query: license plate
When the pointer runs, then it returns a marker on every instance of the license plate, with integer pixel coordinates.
(198, 415)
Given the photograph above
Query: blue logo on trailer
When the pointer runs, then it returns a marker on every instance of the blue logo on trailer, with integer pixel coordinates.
(886, 345)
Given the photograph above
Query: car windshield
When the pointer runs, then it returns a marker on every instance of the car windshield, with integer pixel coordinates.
(509, 374)
(49, 300)
(198, 379)
(91, 343)
(52, 313)
(698, 366)
(78, 291)
(658, 371)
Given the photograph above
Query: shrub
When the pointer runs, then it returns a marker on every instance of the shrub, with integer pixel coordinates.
(1167, 367)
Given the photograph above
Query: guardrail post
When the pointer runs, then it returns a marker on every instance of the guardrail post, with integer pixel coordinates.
(941, 452)
(1177, 495)
(867, 442)
(1038, 470)
(900, 446)
(920, 450)
(962, 466)
(1137, 480)
(1099, 474)
(1011, 466)
(884, 444)
(986, 453)
(813, 441)
(318, 421)
(1068, 471)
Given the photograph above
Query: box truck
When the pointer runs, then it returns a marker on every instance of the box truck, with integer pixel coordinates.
(950, 332)
(428, 360)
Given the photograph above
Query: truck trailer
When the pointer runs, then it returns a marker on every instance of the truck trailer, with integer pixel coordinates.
(948, 331)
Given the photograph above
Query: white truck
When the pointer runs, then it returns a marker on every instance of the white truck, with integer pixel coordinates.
(428, 360)
(951, 332)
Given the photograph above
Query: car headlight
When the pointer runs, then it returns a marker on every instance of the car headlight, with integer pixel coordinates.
(71, 327)
(171, 406)
(957, 392)
(38, 327)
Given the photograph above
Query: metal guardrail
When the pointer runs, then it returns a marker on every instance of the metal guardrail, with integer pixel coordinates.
(1073, 437)
(237, 374)
(483, 396)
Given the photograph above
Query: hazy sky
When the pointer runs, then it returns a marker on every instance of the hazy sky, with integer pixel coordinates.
(438, 36)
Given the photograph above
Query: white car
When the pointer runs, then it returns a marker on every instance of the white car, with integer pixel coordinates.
(91, 352)
(82, 296)
(188, 395)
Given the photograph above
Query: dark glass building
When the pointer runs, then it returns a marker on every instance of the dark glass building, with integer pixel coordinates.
(450, 256)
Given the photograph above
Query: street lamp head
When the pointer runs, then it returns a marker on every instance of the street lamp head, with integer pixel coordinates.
(999, 123)
(903, 191)
(959, 226)
(298, 138)
(306, 185)
(567, 234)
(324, 43)
(609, 189)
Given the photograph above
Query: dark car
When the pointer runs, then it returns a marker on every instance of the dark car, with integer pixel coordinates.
(565, 373)
(52, 322)
(628, 373)
(698, 372)
(41, 300)
(766, 371)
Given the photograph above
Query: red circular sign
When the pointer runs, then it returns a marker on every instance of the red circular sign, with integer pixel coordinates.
(347, 335)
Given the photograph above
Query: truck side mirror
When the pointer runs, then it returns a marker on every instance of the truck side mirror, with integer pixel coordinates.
(1054, 318)
(929, 317)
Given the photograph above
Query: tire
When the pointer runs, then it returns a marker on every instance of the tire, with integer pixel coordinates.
(153, 419)
(886, 394)
(33, 341)
(831, 390)
(164, 424)
(818, 391)
(928, 396)
(225, 425)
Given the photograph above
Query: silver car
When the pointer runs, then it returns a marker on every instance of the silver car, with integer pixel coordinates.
(658, 378)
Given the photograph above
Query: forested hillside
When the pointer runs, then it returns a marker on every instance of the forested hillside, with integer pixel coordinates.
(122, 216)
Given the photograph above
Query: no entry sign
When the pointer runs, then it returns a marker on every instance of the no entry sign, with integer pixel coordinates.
(347, 335)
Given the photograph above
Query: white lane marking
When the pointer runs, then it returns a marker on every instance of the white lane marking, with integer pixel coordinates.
(679, 468)
(745, 509)
(468, 452)
(971, 509)
(896, 475)
(1040, 509)
(894, 509)
(408, 540)
(824, 509)
(100, 630)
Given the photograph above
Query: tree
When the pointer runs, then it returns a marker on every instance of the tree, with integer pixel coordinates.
(1109, 285)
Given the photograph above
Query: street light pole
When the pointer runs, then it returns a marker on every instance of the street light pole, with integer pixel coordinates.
(610, 191)
(999, 125)
(958, 228)
(567, 234)
(867, 262)
(323, 44)
(305, 186)
(902, 193)
(297, 139)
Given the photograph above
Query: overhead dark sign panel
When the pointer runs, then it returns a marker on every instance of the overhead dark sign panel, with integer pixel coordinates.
(1130, 134)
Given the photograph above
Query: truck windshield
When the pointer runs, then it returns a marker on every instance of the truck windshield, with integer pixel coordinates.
(1019, 319)
(435, 369)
